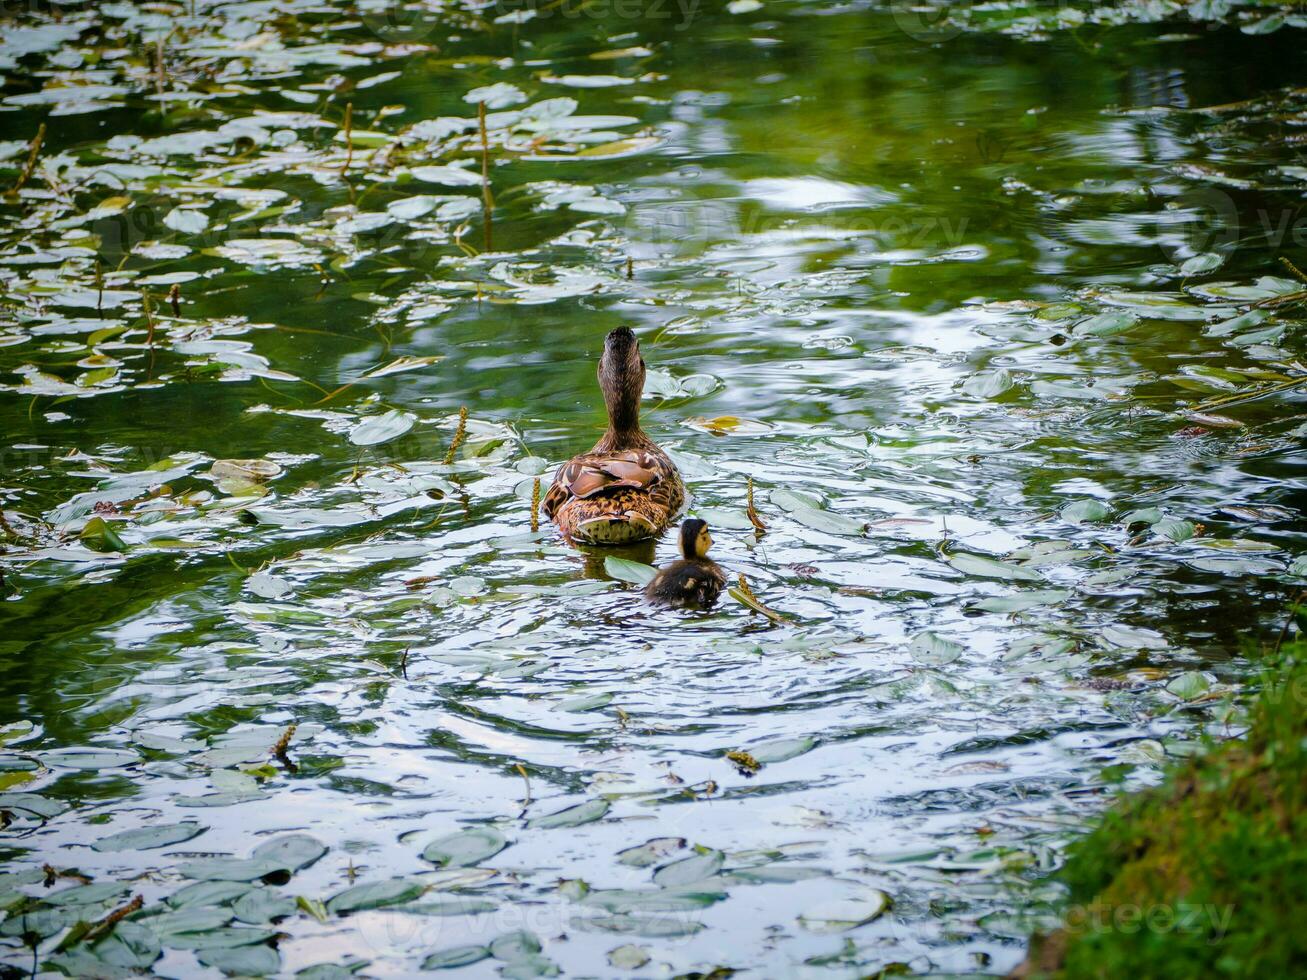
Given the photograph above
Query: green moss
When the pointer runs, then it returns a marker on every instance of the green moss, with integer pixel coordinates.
(1203, 875)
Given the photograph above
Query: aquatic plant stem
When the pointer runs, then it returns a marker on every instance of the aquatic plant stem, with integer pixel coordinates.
(759, 527)
(487, 199)
(283, 743)
(526, 803)
(460, 434)
(349, 138)
(33, 152)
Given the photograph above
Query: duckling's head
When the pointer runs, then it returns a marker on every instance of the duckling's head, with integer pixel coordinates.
(621, 376)
(695, 539)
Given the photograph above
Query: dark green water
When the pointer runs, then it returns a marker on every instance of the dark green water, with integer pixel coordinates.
(993, 321)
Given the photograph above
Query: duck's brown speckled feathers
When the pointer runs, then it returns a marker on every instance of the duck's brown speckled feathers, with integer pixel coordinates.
(695, 580)
(625, 489)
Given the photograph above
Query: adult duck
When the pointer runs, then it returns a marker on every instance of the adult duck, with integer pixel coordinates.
(625, 489)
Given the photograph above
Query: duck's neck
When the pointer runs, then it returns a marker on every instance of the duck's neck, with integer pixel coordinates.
(628, 437)
(624, 432)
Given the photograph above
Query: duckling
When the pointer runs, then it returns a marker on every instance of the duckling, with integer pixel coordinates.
(694, 581)
(625, 489)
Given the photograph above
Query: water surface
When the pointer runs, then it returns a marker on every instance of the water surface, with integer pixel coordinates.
(993, 322)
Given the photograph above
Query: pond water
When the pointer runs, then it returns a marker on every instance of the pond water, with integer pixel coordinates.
(987, 308)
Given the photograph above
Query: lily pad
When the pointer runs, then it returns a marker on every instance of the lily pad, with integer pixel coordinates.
(456, 956)
(845, 914)
(293, 852)
(375, 895)
(465, 848)
(930, 648)
(625, 570)
(689, 870)
(984, 567)
(376, 429)
(146, 838)
(572, 816)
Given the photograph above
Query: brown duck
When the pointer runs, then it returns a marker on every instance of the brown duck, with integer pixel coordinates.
(625, 489)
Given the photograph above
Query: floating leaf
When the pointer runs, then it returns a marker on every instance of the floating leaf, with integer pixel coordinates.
(969, 564)
(1235, 566)
(260, 906)
(1174, 530)
(449, 959)
(145, 838)
(99, 536)
(650, 852)
(294, 852)
(92, 759)
(629, 957)
(228, 869)
(375, 895)
(689, 870)
(249, 470)
(572, 816)
(515, 946)
(449, 176)
(781, 749)
(1023, 601)
(1085, 512)
(988, 384)
(1107, 324)
(1203, 262)
(626, 570)
(465, 848)
(1134, 639)
(733, 425)
(268, 586)
(1189, 685)
(843, 915)
(810, 512)
(586, 702)
(376, 429)
(242, 961)
(188, 220)
(207, 893)
(401, 364)
(930, 648)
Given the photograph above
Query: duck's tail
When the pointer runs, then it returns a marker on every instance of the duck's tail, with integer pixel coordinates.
(596, 520)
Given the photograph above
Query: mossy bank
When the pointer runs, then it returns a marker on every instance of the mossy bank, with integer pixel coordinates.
(1200, 876)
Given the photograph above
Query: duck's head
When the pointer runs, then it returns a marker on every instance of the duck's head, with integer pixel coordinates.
(621, 376)
(695, 539)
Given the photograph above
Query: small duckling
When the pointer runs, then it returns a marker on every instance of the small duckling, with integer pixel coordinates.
(694, 581)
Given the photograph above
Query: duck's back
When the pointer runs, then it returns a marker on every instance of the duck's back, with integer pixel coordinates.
(615, 496)
(688, 583)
